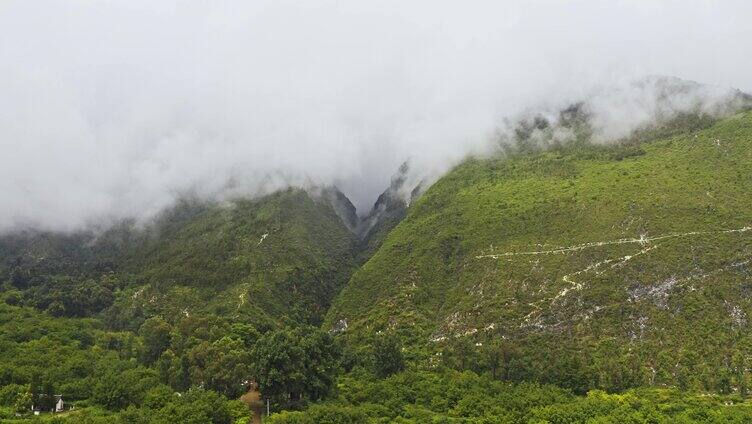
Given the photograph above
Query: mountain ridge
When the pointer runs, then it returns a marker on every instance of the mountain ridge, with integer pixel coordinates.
(570, 248)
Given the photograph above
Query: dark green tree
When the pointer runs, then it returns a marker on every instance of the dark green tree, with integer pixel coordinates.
(172, 371)
(118, 387)
(224, 366)
(196, 406)
(294, 366)
(155, 332)
(19, 278)
(387, 355)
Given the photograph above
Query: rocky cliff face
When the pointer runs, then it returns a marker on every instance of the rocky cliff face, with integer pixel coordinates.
(389, 209)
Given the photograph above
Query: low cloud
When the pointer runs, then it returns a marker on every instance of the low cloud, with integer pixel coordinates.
(113, 109)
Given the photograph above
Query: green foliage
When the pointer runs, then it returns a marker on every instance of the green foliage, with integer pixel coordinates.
(387, 354)
(119, 385)
(292, 367)
(451, 397)
(23, 400)
(600, 266)
(70, 297)
(276, 259)
(322, 414)
(10, 393)
(36, 348)
(279, 259)
(155, 333)
(224, 365)
(513, 288)
(190, 297)
(197, 406)
(428, 397)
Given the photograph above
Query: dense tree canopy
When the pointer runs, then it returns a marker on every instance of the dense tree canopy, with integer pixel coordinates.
(387, 353)
(295, 366)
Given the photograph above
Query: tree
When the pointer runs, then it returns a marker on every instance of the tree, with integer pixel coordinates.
(495, 356)
(56, 309)
(461, 354)
(159, 396)
(223, 365)
(197, 406)
(292, 367)
(24, 400)
(117, 388)
(155, 332)
(245, 332)
(723, 384)
(110, 391)
(387, 353)
(42, 394)
(173, 370)
(19, 278)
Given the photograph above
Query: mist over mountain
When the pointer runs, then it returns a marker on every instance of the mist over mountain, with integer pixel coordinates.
(375, 211)
(112, 110)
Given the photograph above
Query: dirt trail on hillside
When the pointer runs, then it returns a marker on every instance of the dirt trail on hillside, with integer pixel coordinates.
(255, 404)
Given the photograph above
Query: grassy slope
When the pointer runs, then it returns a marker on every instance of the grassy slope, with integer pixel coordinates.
(689, 291)
(280, 257)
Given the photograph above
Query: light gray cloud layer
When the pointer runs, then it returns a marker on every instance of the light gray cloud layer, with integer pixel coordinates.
(111, 109)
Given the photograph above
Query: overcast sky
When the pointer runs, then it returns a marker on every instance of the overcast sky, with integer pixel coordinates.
(115, 108)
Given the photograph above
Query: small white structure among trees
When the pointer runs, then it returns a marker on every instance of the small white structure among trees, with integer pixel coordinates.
(44, 403)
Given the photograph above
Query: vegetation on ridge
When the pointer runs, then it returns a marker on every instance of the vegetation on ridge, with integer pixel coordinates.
(565, 282)
(593, 268)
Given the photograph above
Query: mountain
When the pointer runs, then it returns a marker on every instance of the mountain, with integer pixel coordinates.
(562, 263)
(388, 210)
(281, 257)
(628, 263)
(278, 258)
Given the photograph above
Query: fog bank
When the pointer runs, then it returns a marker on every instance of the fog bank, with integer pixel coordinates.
(113, 109)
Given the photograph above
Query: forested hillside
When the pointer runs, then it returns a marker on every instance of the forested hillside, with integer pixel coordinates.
(591, 266)
(280, 258)
(133, 315)
(554, 282)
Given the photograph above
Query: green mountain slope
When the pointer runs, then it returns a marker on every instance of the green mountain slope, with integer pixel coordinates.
(636, 256)
(280, 257)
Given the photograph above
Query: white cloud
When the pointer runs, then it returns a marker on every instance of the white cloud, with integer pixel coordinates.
(115, 108)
